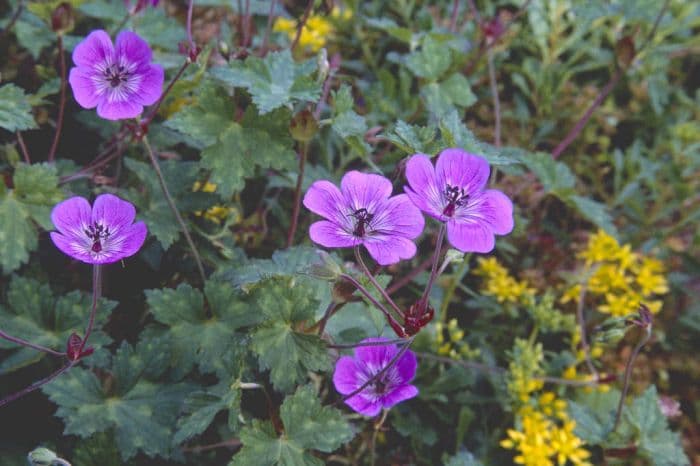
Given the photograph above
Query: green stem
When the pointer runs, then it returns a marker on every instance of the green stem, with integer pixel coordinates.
(173, 208)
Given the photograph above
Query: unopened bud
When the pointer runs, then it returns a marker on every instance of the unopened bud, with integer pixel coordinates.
(624, 51)
(303, 126)
(325, 268)
(63, 18)
(41, 457)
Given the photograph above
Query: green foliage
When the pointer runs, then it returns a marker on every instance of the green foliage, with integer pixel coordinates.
(201, 407)
(140, 412)
(35, 314)
(34, 194)
(307, 426)
(431, 60)
(199, 334)
(280, 343)
(15, 110)
(273, 82)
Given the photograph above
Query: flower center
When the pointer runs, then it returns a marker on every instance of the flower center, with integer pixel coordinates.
(363, 218)
(97, 233)
(455, 197)
(115, 75)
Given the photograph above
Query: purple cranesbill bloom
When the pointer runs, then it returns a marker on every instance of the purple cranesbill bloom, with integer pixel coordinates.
(362, 212)
(118, 79)
(101, 234)
(388, 389)
(453, 192)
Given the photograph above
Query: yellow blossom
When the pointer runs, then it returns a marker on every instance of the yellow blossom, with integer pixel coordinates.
(316, 30)
(571, 294)
(606, 278)
(501, 285)
(601, 246)
(216, 213)
(650, 278)
(620, 305)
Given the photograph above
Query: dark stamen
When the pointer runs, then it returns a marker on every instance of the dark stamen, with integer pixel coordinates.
(456, 197)
(363, 218)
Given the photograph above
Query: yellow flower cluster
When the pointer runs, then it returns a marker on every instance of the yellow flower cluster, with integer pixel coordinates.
(453, 346)
(316, 30)
(216, 213)
(546, 435)
(525, 364)
(624, 278)
(501, 285)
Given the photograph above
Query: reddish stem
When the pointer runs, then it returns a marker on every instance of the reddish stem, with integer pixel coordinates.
(62, 99)
(29, 344)
(35, 385)
(302, 23)
(23, 148)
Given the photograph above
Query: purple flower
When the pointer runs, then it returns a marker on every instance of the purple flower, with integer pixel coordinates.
(453, 192)
(361, 212)
(390, 388)
(101, 234)
(119, 80)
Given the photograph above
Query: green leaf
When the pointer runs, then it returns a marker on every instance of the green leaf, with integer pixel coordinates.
(307, 424)
(288, 353)
(414, 139)
(36, 186)
(201, 408)
(152, 205)
(441, 98)
(33, 33)
(556, 177)
(141, 413)
(17, 234)
(463, 458)
(15, 110)
(431, 61)
(594, 414)
(273, 81)
(206, 119)
(159, 29)
(596, 212)
(208, 339)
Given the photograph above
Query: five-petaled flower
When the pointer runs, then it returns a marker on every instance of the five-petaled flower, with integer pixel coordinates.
(453, 192)
(101, 234)
(117, 79)
(385, 390)
(362, 212)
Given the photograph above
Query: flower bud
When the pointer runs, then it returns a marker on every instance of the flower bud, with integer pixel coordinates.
(325, 268)
(41, 457)
(303, 126)
(63, 18)
(624, 51)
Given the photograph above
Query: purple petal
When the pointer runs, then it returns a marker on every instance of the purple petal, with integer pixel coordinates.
(83, 87)
(151, 86)
(398, 395)
(365, 406)
(398, 216)
(345, 377)
(325, 199)
(128, 241)
(72, 216)
(458, 168)
(375, 357)
(72, 247)
(406, 366)
(94, 49)
(331, 235)
(497, 209)
(130, 46)
(118, 110)
(113, 212)
(364, 190)
(423, 190)
(470, 237)
(389, 249)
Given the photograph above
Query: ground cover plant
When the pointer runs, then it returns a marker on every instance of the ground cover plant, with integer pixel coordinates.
(264, 232)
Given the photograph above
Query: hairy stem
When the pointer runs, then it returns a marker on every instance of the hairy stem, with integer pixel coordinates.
(145, 122)
(380, 288)
(628, 374)
(23, 148)
(29, 344)
(406, 279)
(175, 211)
(62, 99)
(433, 270)
(370, 298)
(96, 293)
(297, 194)
(302, 23)
(496, 101)
(35, 385)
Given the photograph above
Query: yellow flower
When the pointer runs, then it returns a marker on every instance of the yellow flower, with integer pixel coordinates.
(568, 446)
(601, 246)
(606, 278)
(316, 30)
(216, 213)
(572, 294)
(650, 278)
(502, 286)
(620, 305)
(625, 257)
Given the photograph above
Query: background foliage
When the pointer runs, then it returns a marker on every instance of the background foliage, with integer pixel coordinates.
(234, 369)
